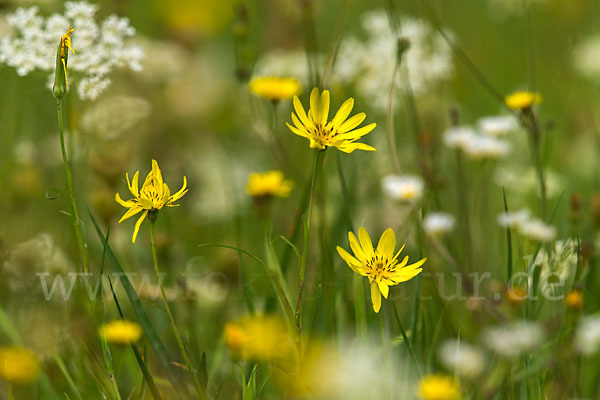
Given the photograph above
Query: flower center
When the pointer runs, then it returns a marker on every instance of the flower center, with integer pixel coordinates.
(380, 267)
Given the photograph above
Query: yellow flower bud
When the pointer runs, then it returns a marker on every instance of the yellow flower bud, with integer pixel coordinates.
(61, 85)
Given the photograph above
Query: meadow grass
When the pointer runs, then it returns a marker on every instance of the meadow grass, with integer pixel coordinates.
(385, 200)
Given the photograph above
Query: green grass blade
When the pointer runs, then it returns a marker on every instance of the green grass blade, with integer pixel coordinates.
(142, 317)
(147, 375)
(509, 257)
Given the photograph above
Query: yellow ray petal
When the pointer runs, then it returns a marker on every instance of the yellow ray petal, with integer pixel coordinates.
(342, 113)
(324, 107)
(375, 297)
(356, 249)
(351, 261)
(315, 100)
(156, 172)
(296, 131)
(165, 195)
(297, 122)
(357, 133)
(137, 226)
(365, 243)
(363, 146)
(127, 204)
(417, 264)
(133, 186)
(180, 193)
(384, 289)
(130, 213)
(300, 111)
(352, 123)
(407, 275)
(399, 251)
(387, 243)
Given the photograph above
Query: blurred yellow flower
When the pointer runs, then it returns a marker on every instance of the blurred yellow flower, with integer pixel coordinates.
(335, 133)
(259, 337)
(380, 265)
(269, 184)
(515, 294)
(153, 196)
(18, 365)
(275, 88)
(574, 299)
(522, 100)
(121, 332)
(438, 387)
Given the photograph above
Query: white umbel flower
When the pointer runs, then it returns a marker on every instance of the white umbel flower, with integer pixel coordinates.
(438, 223)
(514, 219)
(480, 147)
(587, 337)
(403, 187)
(538, 230)
(475, 145)
(90, 88)
(370, 63)
(100, 49)
(513, 339)
(497, 125)
(461, 358)
(459, 137)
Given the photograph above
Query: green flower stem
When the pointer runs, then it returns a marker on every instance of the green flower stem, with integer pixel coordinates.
(182, 349)
(531, 124)
(73, 203)
(10, 393)
(386, 356)
(315, 174)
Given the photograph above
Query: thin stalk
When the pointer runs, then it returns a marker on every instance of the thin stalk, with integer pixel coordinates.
(406, 341)
(531, 124)
(184, 353)
(63, 368)
(72, 203)
(386, 356)
(462, 186)
(310, 41)
(390, 119)
(10, 393)
(316, 169)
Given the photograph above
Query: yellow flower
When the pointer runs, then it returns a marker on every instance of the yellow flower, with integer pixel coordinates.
(574, 300)
(153, 196)
(335, 133)
(259, 337)
(268, 184)
(18, 365)
(522, 100)
(380, 265)
(275, 88)
(121, 332)
(438, 387)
